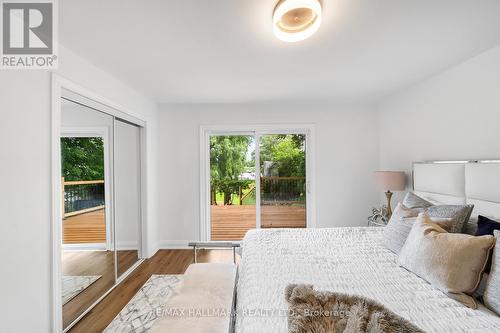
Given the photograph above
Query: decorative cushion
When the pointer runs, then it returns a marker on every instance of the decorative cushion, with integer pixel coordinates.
(400, 224)
(491, 295)
(451, 262)
(486, 226)
(460, 214)
(398, 228)
(411, 200)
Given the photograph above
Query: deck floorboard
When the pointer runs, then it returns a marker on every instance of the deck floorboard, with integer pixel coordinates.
(85, 228)
(228, 222)
(232, 222)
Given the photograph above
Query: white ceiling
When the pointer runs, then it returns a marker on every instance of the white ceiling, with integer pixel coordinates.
(195, 51)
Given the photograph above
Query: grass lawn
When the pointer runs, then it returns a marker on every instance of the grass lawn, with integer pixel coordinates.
(249, 200)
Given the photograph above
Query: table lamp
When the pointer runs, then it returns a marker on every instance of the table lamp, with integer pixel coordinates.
(390, 181)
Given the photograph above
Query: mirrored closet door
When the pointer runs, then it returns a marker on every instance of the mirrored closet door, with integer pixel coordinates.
(88, 257)
(127, 191)
(100, 203)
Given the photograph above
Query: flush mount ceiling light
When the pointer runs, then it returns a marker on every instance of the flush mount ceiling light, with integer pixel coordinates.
(296, 20)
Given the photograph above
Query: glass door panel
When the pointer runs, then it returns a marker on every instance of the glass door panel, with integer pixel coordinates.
(232, 186)
(88, 258)
(282, 180)
(127, 194)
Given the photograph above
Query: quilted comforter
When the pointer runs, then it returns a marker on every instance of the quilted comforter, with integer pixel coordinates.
(348, 260)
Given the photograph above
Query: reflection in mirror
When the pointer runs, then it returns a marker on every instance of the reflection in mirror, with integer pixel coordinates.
(127, 194)
(87, 250)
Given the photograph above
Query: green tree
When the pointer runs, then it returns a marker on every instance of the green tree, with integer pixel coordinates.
(82, 158)
(227, 163)
(286, 152)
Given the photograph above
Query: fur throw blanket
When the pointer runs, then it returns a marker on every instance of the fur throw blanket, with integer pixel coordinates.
(312, 311)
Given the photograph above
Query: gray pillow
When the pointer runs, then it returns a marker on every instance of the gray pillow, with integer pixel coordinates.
(411, 200)
(400, 224)
(398, 228)
(460, 214)
(492, 291)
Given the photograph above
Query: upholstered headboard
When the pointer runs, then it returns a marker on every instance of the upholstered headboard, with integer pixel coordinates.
(461, 182)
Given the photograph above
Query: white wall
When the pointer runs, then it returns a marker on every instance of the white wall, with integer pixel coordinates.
(25, 162)
(454, 115)
(346, 156)
(25, 201)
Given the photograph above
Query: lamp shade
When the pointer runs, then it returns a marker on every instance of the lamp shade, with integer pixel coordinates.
(391, 180)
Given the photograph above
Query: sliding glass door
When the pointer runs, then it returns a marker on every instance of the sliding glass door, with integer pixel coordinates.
(232, 186)
(282, 181)
(257, 180)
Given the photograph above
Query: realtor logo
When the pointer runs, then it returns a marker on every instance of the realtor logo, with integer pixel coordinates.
(28, 30)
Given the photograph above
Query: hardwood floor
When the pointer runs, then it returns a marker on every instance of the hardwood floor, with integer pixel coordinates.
(126, 259)
(85, 228)
(92, 263)
(163, 262)
(232, 222)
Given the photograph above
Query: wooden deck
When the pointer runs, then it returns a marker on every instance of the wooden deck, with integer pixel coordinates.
(232, 222)
(228, 222)
(85, 228)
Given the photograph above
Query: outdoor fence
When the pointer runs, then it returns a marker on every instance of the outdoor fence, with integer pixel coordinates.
(82, 196)
(274, 190)
(282, 190)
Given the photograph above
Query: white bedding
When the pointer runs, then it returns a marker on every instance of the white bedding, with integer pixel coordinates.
(346, 260)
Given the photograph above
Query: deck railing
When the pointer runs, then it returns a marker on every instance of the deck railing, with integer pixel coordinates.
(282, 190)
(82, 196)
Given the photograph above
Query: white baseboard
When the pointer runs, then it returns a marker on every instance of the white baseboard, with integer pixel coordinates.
(84, 247)
(172, 245)
(127, 245)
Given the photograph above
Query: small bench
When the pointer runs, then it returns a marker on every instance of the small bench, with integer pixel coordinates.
(203, 303)
(213, 245)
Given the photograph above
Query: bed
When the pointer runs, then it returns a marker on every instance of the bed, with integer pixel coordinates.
(351, 260)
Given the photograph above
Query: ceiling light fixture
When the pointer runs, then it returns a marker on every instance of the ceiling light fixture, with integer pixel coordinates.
(296, 20)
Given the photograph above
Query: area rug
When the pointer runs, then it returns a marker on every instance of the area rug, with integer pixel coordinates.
(140, 313)
(73, 285)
